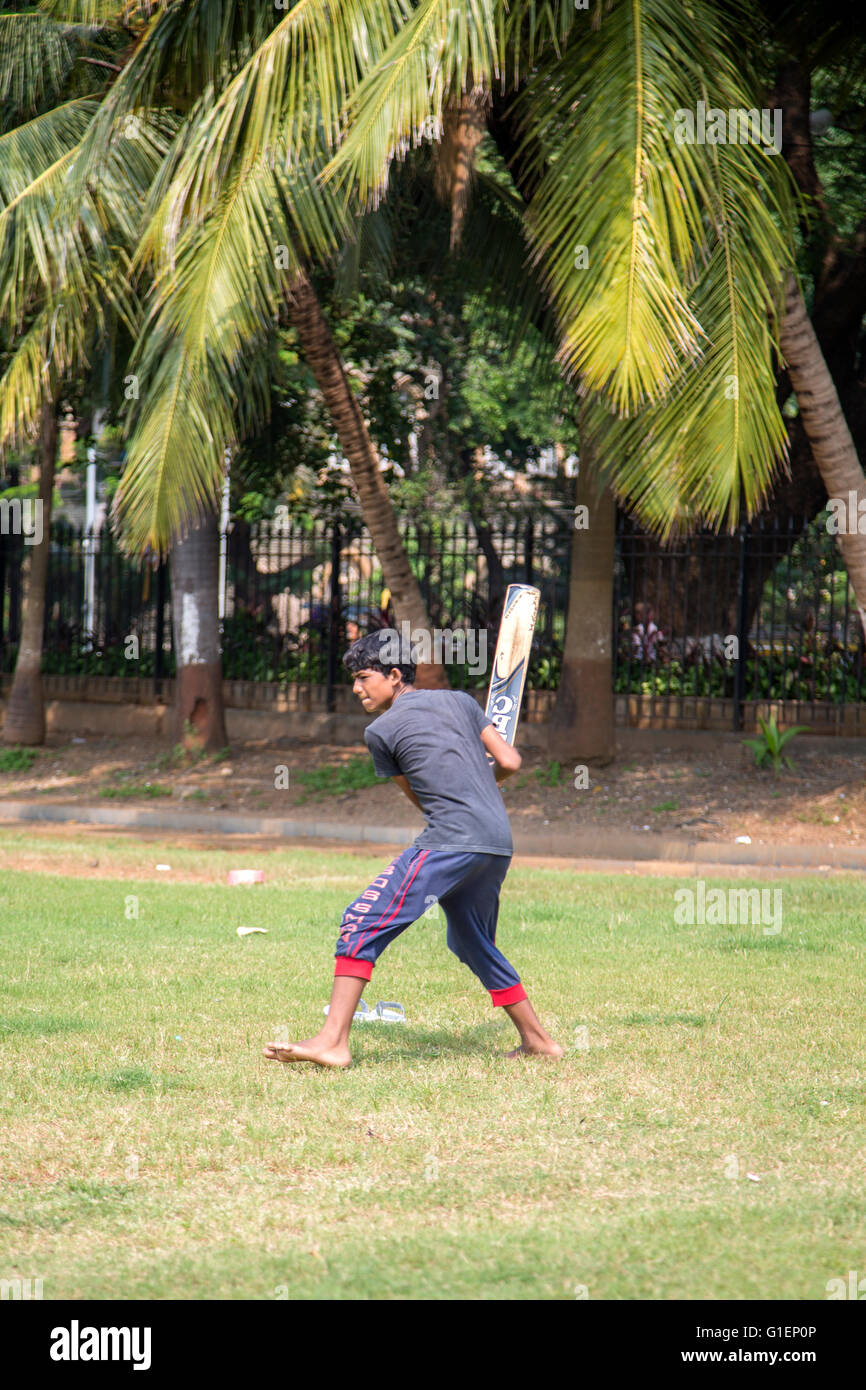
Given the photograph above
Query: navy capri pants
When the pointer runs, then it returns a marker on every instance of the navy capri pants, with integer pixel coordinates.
(466, 886)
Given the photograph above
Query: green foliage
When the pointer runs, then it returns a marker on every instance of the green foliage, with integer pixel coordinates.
(131, 789)
(549, 776)
(335, 778)
(768, 749)
(17, 759)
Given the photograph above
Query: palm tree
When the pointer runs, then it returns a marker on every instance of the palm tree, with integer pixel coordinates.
(61, 277)
(664, 262)
(24, 721)
(192, 410)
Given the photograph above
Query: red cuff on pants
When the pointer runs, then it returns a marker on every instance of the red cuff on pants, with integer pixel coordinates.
(361, 969)
(512, 995)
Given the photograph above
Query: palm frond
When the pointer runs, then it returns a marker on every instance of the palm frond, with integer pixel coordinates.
(709, 453)
(35, 59)
(53, 344)
(181, 53)
(200, 353)
(35, 159)
(284, 100)
(100, 14)
(615, 245)
(534, 29)
(441, 50)
(496, 255)
(369, 245)
(44, 240)
(170, 473)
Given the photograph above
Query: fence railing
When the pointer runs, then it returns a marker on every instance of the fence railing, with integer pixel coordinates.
(765, 614)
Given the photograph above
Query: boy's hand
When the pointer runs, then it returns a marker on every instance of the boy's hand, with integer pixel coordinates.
(505, 758)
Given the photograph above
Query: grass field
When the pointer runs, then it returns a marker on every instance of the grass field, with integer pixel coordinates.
(149, 1151)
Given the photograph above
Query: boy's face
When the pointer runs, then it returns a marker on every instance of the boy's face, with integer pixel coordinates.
(376, 690)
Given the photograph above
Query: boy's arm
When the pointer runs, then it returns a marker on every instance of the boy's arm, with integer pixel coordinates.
(506, 758)
(403, 784)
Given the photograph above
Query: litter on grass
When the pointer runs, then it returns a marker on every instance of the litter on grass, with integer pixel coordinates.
(386, 1011)
(248, 931)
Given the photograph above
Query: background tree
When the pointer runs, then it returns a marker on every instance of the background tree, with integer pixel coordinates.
(63, 274)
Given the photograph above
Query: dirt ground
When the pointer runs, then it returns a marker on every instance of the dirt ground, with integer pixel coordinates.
(712, 795)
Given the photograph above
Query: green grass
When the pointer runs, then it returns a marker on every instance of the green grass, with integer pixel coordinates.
(17, 759)
(129, 789)
(179, 757)
(549, 776)
(335, 778)
(148, 1151)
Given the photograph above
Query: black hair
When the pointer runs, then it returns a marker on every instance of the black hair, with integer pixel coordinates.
(382, 651)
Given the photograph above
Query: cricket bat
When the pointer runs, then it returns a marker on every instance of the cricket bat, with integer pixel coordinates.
(512, 659)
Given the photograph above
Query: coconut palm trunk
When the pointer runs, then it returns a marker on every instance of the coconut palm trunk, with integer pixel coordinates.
(198, 707)
(464, 128)
(582, 723)
(25, 711)
(827, 430)
(328, 368)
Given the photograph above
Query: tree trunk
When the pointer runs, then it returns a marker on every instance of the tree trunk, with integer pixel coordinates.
(465, 125)
(198, 708)
(328, 368)
(832, 446)
(25, 711)
(582, 723)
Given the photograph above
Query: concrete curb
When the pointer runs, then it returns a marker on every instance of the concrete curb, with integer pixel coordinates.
(599, 846)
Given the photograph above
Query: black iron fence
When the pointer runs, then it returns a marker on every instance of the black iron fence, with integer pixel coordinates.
(294, 598)
(765, 614)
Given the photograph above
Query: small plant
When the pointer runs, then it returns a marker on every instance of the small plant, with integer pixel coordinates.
(186, 755)
(330, 780)
(135, 789)
(549, 776)
(17, 759)
(667, 806)
(769, 748)
(173, 758)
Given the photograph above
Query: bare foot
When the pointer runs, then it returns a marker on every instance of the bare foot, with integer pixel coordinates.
(538, 1049)
(320, 1050)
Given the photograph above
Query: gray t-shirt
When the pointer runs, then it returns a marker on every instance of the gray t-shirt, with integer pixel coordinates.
(432, 738)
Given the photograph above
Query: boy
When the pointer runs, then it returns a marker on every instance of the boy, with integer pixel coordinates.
(434, 745)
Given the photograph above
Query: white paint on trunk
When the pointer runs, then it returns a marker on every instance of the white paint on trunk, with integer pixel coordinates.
(190, 629)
